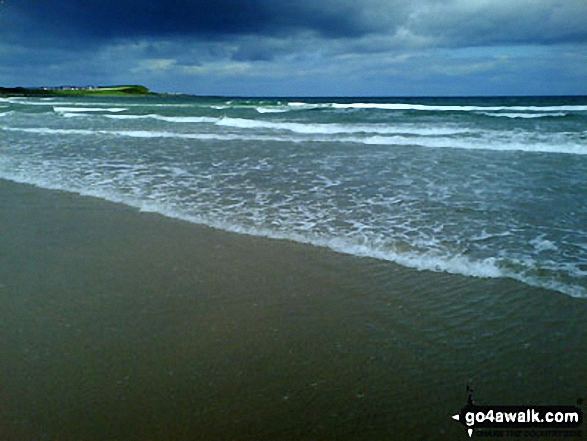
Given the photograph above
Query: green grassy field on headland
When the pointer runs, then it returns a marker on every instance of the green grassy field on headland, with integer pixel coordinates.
(75, 90)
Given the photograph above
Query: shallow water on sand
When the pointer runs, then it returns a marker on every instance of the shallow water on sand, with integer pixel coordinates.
(124, 325)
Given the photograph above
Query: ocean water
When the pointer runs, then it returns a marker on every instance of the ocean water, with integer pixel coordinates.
(482, 187)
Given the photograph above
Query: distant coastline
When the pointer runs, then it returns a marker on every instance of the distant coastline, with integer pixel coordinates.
(76, 90)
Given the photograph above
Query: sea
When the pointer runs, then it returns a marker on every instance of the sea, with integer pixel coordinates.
(492, 187)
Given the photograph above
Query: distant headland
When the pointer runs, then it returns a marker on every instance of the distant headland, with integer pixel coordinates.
(76, 90)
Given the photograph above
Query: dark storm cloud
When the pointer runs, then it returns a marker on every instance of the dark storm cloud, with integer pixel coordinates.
(206, 18)
(447, 23)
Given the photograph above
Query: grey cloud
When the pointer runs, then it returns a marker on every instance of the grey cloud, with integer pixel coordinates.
(482, 22)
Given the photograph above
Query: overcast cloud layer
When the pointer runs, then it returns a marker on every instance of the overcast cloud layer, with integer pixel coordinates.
(303, 47)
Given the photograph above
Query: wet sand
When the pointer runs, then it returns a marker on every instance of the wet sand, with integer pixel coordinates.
(121, 325)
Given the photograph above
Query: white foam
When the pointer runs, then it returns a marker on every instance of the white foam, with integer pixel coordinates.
(127, 133)
(74, 115)
(524, 115)
(446, 108)
(127, 116)
(159, 134)
(155, 134)
(138, 134)
(88, 109)
(334, 128)
(541, 244)
(177, 119)
(276, 109)
(484, 235)
(488, 143)
(308, 106)
(49, 131)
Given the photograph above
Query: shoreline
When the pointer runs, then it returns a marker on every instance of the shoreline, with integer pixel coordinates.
(120, 324)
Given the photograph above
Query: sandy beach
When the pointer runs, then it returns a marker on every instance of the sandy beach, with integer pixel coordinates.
(276, 220)
(122, 325)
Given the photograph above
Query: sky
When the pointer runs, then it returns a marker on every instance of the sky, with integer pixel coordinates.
(299, 47)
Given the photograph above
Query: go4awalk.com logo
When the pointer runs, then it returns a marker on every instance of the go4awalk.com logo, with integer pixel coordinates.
(531, 421)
